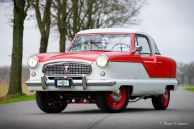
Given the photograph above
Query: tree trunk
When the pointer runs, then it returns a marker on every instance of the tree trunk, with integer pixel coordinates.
(75, 16)
(90, 13)
(46, 28)
(43, 43)
(16, 63)
(61, 24)
(43, 20)
(62, 41)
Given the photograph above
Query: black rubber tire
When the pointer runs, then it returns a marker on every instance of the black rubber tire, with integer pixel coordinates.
(158, 103)
(43, 102)
(101, 102)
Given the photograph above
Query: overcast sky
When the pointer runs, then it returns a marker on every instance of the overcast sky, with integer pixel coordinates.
(169, 22)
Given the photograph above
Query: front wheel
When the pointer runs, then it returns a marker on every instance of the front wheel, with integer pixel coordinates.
(113, 101)
(161, 102)
(50, 102)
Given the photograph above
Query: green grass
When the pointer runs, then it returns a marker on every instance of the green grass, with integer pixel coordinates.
(187, 87)
(16, 98)
(4, 98)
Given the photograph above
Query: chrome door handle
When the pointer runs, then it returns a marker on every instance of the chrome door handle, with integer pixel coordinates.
(159, 62)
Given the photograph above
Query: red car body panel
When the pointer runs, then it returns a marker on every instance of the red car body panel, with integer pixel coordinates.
(158, 66)
(90, 56)
(84, 55)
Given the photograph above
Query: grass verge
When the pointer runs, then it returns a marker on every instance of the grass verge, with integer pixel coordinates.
(16, 98)
(4, 98)
(187, 87)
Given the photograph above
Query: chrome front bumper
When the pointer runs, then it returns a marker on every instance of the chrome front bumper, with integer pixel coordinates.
(45, 83)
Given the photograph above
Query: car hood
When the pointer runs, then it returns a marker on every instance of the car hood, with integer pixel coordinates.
(88, 55)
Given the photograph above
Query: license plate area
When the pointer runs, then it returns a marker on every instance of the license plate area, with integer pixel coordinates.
(66, 82)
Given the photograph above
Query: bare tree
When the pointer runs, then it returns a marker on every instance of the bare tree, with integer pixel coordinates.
(43, 19)
(187, 71)
(61, 17)
(20, 12)
(75, 15)
(87, 14)
(190, 72)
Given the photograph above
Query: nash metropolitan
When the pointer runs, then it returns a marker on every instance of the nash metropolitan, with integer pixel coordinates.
(109, 67)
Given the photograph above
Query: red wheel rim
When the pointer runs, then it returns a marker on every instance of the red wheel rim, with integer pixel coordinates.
(165, 97)
(119, 103)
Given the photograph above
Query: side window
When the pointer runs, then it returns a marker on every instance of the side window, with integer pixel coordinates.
(154, 47)
(142, 41)
(156, 50)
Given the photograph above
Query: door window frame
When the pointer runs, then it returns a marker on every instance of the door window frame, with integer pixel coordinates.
(148, 41)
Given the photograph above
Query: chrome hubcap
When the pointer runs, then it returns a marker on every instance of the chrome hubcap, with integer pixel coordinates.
(116, 96)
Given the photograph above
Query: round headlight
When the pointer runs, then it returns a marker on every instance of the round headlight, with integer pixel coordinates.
(102, 61)
(32, 61)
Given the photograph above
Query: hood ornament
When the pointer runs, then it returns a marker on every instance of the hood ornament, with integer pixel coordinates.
(67, 70)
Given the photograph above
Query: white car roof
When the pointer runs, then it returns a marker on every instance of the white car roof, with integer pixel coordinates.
(111, 30)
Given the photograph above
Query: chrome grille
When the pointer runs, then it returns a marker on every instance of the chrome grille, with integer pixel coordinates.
(66, 69)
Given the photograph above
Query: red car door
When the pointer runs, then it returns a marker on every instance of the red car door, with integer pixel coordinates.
(149, 60)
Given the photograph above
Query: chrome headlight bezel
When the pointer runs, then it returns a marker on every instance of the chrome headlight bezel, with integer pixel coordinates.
(102, 61)
(33, 62)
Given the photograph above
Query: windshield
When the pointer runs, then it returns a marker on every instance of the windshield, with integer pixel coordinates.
(112, 42)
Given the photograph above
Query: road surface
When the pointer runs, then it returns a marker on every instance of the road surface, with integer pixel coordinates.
(26, 115)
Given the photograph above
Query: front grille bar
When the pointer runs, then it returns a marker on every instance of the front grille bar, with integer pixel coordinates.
(66, 69)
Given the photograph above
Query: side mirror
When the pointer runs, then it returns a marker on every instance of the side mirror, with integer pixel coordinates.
(138, 48)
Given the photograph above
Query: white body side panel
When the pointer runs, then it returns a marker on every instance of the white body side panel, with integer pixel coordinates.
(123, 73)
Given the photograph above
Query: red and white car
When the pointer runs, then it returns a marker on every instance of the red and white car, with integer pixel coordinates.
(109, 67)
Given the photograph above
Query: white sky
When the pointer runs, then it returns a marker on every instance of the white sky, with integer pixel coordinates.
(169, 22)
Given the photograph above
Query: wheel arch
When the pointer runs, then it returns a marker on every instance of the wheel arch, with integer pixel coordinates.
(129, 87)
(170, 87)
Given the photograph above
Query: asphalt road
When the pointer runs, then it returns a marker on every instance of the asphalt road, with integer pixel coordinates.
(26, 115)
